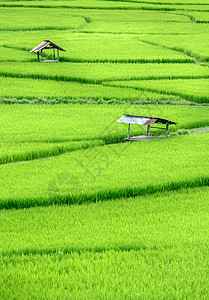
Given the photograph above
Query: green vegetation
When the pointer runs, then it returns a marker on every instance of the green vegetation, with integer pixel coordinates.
(110, 5)
(146, 27)
(82, 47)
(12, 19)
(171, 2)
(84, 215)
(103, 173)
(100, 72)
(145, 45)
(192, 89)
(198, 17)
(43, 131)
(70, 18)
(29, 88)
(7, 54)
(97, 58)
(182, 43)
(151, 245)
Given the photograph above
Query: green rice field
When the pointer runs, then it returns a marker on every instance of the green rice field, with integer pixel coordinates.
(84, 214)
(130, 248)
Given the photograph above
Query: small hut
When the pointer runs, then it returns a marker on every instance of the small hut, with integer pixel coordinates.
(142, 120)
(47, 45)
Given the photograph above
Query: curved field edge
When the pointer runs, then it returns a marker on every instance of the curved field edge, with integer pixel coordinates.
(84, 80)
(190, 89)
(31, 89)
(107, 5)
(110, 173)
(134, 241)
(102, 195)
(42, 151)
(66, 133)
(94, 216)
(31, 151)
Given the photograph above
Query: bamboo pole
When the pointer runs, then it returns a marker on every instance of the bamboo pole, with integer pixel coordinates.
(128, 130)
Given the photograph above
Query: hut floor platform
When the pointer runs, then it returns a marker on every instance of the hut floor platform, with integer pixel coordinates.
(142, 138)
(49, 61)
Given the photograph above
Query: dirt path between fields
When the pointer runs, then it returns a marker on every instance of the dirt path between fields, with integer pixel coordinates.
(198, 131)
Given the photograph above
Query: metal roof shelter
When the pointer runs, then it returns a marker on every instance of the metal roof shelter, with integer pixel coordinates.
(47, 45)
(142, 120)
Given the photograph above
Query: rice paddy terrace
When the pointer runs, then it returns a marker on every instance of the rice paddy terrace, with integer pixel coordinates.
(84, 215)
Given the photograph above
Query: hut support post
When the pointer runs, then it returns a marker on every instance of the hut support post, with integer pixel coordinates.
(38, 55)
(54, 53)
(147, 130)
(166, 133)
(129, 129)
(57, 54)
(42, 55)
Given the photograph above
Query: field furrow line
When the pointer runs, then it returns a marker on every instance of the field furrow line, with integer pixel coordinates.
(95, 81)
(104, 195)
(179, 50)
(189, 97)
(120, 8)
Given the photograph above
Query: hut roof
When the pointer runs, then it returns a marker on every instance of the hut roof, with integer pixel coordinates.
(45, 44)
(142, 120)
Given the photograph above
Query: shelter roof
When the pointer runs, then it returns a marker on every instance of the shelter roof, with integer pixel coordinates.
(143, 120)
(45, 44)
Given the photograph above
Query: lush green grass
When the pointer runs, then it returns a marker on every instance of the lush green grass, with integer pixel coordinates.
(42, 131)
(13, 152)
(107, 172)
(149, 247)
(30, 89)
(109, 48)
(105, 48)
(65, 123)
(94, 48)
(83, 47)
(198, 17)
(131, 15)
(165, 28)
(74, 18)
(100, 72)
(105, 224)
(191, 89)
(34, 19)
(152, 246)
(110, 5)
(84, 4)
(171, 2)
(198, 47)
(14, 55)
(166, 5)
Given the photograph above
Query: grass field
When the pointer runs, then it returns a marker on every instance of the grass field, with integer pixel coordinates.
(100, 72)
(103, 173)
(181, 43)
(133, 248)
(193, 89)
(37, 136)
(83, 214)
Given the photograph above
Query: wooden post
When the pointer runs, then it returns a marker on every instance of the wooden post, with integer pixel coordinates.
(148, 130)
(57, 54)
(38, 55)
(42, 55)
(166, 133)
(128, 130)
(54, 53)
